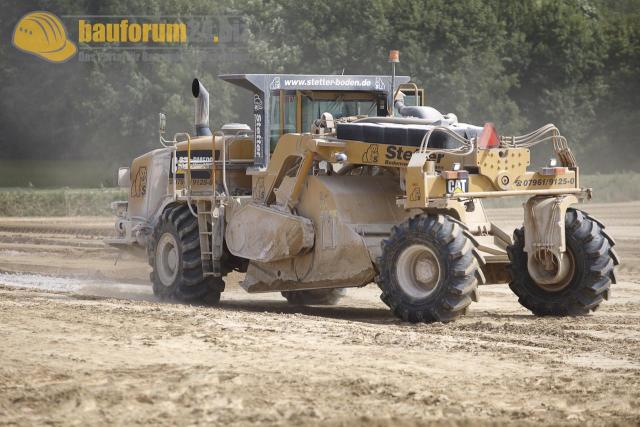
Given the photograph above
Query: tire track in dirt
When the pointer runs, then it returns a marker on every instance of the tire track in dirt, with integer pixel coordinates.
(254, 359)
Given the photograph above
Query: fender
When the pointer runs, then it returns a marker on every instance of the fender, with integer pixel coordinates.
(545, 243)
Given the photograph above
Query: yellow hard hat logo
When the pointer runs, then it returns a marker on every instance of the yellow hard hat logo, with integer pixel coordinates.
(42, 34)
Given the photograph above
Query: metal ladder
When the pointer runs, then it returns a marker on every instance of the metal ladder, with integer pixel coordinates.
(211, 241)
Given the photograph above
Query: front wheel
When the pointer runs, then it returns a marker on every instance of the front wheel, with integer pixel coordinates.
(427, 270)
(174, 255)
(589, 273)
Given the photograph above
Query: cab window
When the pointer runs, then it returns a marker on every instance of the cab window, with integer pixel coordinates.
(274, 107)
(283, 106)
(313, 106)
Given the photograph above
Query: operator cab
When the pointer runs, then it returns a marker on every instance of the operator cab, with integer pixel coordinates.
(290, 103)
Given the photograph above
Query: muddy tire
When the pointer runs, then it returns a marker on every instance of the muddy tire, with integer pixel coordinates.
(592, 272)
(315, 296)
(174, 255)
(428, 271)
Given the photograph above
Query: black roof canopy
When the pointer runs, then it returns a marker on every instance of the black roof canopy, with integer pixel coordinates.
(266, 82)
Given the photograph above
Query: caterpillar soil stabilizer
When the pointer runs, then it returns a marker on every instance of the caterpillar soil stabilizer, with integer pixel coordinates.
(348, 180)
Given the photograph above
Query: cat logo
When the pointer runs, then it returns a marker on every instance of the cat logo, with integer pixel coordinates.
(415, 193)
(371, 155)
(139, 184)
(457, 185)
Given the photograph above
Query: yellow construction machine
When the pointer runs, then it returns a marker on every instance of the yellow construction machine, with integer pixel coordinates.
(346, 180)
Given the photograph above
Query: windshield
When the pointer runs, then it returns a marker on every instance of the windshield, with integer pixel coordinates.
(295, 111)
(340, 107)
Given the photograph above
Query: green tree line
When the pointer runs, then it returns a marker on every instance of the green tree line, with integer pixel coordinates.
(519, 64)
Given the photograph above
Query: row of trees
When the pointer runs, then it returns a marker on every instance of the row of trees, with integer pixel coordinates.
(575, 63)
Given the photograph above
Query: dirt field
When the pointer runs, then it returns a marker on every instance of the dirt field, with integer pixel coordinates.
(84, 342)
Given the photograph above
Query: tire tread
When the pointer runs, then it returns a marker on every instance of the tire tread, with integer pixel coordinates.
(462, 276)
(599, 261)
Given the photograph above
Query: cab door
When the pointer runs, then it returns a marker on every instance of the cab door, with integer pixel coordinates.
(284, 115)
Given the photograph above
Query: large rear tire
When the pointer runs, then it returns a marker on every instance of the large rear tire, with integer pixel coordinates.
(589, 279)
(174, 255)
(315, 296)
(428, 271)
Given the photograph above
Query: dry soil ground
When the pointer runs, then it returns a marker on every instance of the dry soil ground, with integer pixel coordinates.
(83, 341)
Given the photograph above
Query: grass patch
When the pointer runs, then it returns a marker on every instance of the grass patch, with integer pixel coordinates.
(622, 187)
(57, 173)
(59, 202)
(607, 188)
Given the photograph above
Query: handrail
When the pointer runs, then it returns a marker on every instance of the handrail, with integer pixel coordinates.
(174, 158)
(415, 88)
(188, 186)
(188, 176)
(213, 161)
(171, 145)
(583, 192)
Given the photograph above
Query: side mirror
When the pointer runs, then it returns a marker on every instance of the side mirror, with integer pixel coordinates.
(124, 178)
(163, 123)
